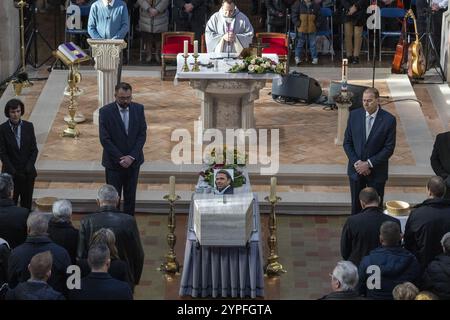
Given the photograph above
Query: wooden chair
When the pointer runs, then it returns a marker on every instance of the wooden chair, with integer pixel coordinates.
(172, 44)
(278, 44)
(203, 44)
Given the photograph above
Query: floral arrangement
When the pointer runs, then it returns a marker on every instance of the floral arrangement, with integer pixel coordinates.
(254, 64)
(220, 159)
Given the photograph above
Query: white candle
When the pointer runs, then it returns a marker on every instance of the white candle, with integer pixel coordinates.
(273, 184)
(195, 47)
(344, 69)
(185, 47)
(172, 186)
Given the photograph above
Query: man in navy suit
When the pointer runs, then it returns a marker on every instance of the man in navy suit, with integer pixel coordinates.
(99, 285)
(18, 152)
(123, 132)
(369, 143)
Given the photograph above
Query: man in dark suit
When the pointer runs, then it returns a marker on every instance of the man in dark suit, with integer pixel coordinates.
(361, 232)
(36, 288)
(440, 159)
(13, 219)
(124, 226)
(427, 223)
(123, 132)
(18, 152)
(369, 143)
(99, 285)
(37, 242)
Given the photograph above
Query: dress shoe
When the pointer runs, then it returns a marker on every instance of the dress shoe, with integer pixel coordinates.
(355, 60)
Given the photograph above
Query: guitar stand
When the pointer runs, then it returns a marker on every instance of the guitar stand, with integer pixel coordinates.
(430, 43)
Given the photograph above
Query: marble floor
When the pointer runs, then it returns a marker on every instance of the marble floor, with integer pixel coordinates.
(306, 132)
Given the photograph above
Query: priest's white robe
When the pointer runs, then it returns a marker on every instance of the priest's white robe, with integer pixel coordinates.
(219, 25)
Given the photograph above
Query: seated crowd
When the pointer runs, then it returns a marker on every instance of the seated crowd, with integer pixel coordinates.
(303, 20)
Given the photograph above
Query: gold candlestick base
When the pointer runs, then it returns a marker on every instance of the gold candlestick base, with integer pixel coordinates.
(196, 67)
(185, 65)
(171, 266)
(273, 267)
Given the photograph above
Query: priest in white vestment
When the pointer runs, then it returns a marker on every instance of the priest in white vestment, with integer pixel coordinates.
(228, 30)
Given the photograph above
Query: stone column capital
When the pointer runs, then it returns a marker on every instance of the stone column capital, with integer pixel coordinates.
(106, 53)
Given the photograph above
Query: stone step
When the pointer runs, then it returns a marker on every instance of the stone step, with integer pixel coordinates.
(297, 203)
(326, 175)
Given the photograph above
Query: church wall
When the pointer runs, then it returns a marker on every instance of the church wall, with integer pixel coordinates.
(9, 39)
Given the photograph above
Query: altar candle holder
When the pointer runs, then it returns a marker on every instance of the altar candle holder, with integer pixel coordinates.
(273, 268)
(185, 66)
(196, 67)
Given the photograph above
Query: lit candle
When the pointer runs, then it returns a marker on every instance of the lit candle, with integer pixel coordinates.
(273, 185)
(195, 47)
(172, 186)
(344, 69)
(185, 47)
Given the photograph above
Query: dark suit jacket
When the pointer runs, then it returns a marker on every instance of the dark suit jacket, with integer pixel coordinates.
(20, 258)
(64, 234)
(361, 233)
(118, 269)
(101, 286)
(17, 160)
(378, 148)
(424, 229)
(128, 240)
(33, 290)
(13, 222)
(116, 143)
(440, 157)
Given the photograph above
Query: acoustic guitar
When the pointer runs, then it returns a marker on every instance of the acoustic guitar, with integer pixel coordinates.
(416, 59)
(400, 51)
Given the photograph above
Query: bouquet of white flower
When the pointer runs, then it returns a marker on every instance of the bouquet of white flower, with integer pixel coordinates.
(255, 64)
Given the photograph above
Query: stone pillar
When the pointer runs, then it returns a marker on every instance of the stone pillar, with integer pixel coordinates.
(106, 54)
(343, 113)
(9, 39)
(227, 104)
(445, 44)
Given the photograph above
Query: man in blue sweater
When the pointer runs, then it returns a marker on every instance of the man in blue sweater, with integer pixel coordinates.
(108, 19)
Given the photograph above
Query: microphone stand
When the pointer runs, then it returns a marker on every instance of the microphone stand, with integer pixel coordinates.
(374, 2)
(229, 21)
(288, 33)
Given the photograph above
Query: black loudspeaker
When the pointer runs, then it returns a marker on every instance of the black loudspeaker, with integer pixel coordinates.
(296, 86)
(335, 88)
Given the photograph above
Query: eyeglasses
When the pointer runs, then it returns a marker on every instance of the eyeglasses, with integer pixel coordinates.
(124, 98)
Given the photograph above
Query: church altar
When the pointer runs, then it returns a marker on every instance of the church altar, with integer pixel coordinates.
(227, 99)
(224, 271)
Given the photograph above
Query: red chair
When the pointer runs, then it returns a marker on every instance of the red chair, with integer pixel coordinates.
(278, 44)
(172, 43)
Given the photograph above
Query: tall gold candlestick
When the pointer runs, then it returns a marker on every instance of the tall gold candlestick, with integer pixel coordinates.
(171, 266)
(273, 267)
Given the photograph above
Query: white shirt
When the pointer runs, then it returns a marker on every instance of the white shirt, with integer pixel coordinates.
(441, 3)
(105, 3)
(122, 114)
(374, 116)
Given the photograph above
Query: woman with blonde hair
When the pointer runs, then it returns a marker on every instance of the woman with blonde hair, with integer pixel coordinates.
(118, 268)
